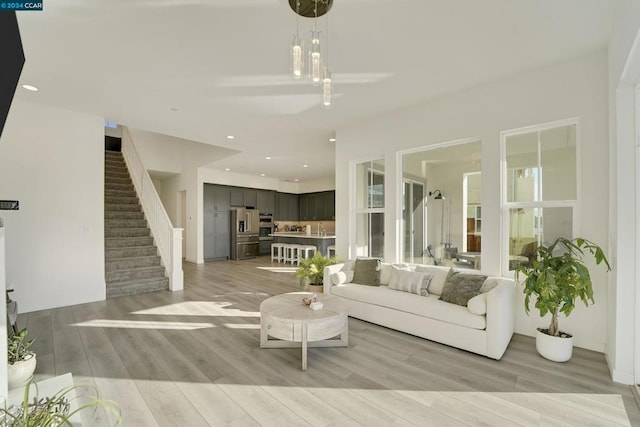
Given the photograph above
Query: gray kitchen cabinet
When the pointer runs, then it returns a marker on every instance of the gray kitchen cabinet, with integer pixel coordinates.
(209, 236)
(237, 197)
(250, 197)
(266, 202)
(304, 210)
(287, 207)
(293, 207)
(217, 235)
(222, 233)
(222, 199)
(216, 232)
(330, 205)
(208, 197)
(241, 197)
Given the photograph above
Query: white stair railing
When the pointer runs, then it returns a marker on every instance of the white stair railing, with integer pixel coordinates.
(167, 238)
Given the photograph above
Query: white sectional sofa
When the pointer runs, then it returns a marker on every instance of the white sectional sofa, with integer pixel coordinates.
(486, 331)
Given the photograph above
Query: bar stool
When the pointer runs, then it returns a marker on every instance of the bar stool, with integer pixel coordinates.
(331, 250)
(277, 252)
(291, 253)
(306, 251)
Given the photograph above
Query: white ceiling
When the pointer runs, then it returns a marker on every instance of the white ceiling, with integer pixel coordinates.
(223, 64)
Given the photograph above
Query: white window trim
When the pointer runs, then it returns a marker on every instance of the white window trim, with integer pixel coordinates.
(505, 206)
(353, 199)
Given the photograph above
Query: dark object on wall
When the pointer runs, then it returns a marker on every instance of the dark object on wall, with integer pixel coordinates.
(12, 60)
(9, 205)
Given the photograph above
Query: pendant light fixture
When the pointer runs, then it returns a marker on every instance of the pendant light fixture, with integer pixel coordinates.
(318, 70)
(297, 58)
(327, 85)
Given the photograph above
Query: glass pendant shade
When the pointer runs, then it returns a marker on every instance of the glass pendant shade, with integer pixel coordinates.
(315, 63)
(297, 61)
(327, 90)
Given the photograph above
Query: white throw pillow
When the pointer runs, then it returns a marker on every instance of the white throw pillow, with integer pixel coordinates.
(385, 273)
(439, 276)
(394, 275)
(341, 277)
(478, 304)
(410, 281)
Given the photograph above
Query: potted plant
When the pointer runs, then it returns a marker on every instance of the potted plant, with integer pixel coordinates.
(557, 277)
(58, 409)
(311, 271)
(22, 362)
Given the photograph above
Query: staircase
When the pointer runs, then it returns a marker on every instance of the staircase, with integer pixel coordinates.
(132, 264)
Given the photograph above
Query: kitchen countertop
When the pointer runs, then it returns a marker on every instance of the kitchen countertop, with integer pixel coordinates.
(301, 234)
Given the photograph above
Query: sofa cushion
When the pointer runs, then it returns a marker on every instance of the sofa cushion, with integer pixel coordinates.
(439, 274)
(410, 281)
(394, 273)
(429, 306)
(366, 271)
(478, 304)
(385, 271)
(489, 284)
(460, 287)
(341, 277)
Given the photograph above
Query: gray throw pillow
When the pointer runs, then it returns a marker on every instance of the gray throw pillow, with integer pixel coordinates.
(459, 287)
(366, 272)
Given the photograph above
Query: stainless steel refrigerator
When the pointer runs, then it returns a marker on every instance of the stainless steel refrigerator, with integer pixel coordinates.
(245, 230)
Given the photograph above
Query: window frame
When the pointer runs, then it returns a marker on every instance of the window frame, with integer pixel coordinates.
(506, 206)
(355, 211)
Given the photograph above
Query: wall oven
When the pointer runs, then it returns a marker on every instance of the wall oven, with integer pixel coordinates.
(266, 227)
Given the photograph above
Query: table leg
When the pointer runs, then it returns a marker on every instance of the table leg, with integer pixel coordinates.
(304, 346)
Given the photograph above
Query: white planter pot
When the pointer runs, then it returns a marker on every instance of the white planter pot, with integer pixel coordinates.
(20, 373)
(557, 349)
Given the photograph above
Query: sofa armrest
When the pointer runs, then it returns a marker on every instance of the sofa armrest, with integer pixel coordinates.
(500, 317)
(326, 277)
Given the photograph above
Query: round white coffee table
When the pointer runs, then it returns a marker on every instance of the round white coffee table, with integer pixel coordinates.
(293, 324)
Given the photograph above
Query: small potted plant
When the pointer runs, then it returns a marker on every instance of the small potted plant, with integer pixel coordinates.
(22, 362)
(59, 409)
(557, 277)
(311, 271)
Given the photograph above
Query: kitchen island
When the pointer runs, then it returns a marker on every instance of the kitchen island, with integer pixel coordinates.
(320, 241)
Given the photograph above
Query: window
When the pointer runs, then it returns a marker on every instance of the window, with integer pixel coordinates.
(438, 182)
(540, 195)
(370, 209)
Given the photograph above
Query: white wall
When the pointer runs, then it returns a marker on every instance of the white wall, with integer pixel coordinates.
(52, 161)
(575, 88)
(623, 329)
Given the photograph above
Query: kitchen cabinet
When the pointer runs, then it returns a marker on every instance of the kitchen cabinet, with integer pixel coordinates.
(217, 237)
(266, 202)
(237, 197)
(250, 197)
(221, 199)
(287, 207)
(241, 197)
(317, 206)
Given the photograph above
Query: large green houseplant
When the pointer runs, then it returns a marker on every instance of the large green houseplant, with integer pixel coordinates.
(557, 278)
(311, 271)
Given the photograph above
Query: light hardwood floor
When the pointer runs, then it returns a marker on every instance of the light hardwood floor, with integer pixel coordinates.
(192, 358)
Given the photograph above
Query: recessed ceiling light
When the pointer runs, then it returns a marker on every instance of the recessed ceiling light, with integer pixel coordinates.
(268, 158)
(230, 136)
(305, 166)
(262, 174)
(227, 169)
(296, 180)
(332, 140)
(31, 88)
